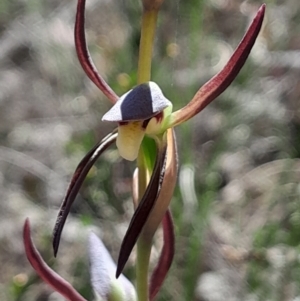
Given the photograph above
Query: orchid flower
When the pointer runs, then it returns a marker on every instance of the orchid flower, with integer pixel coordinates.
(145, 132)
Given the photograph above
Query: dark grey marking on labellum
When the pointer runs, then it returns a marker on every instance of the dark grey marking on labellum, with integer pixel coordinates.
(141, 103)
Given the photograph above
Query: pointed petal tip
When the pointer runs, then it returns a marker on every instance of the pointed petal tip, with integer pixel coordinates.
(55, 249)
(26, 223)
(26, 229)
(262, 8)
(56, 237)
(28, 244)
(120, 266)
(119, 271)
(261, 11)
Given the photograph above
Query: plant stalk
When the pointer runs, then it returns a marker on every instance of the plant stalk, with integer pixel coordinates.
(149, 20)
(142, 268)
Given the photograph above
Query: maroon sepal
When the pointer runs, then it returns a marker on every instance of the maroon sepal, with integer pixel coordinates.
(78, 177)
(143, 210)
(84, 55)
(166, 257)
(214, 87)
(59, 284)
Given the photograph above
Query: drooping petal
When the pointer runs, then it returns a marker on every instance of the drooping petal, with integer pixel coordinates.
(59, 284)
(167, 187)
(214, 87)
(84, 55)
(166, 257)
(102, 270)
(139, 104)
(143, 210)
(78, 177)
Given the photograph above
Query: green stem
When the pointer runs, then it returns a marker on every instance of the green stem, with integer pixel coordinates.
(142, 175)
(144, 244)
(149, 20)
(142, 268)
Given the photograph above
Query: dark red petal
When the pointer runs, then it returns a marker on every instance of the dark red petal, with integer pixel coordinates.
(167, 187)
(166, 256)
(214, 87)
(78, 177)
(84, 55)
(44, 271)
(143, 210)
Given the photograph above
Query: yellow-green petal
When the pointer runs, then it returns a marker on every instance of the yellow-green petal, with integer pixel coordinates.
(130, 136)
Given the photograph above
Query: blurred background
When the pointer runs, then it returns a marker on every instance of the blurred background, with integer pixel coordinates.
(236, 207)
